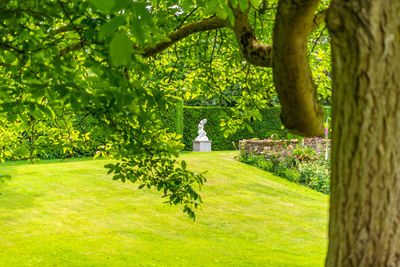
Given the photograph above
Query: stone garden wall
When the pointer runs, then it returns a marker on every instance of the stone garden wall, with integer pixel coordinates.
(317, 144)
(257, 147)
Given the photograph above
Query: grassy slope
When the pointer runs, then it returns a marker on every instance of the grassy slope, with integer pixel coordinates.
(73, 214)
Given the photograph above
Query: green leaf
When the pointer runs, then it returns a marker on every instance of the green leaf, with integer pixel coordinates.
(183, 164)
(9, 57)
(47, 111)
(255, 3)
(104, 5)
(108, 29)
(109, 166)
(243, 4)
(121, 49)
(97, 154)
(230, 16)
(120, 5)
(221, 13)
(249, 128)
(212, 7)
(141, 186)
(187, 4)
(138, 31)
(226, 134)
(234, 3)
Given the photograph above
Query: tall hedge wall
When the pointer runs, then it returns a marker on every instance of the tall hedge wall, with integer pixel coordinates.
(184, 120)
(172, 118)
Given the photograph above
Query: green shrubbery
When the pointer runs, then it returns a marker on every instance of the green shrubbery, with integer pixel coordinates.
(67, 135)
(172, 117)
(301, 165)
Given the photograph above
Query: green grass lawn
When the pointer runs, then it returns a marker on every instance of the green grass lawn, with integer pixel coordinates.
(73, 214)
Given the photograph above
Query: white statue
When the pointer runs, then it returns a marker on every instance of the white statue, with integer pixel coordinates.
(202, 134)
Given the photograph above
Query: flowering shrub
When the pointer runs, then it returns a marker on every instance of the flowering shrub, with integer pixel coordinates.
(302, 164)
(315, 175)
(304, 154)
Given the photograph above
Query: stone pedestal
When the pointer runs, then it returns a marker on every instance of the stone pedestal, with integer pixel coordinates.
(201, 146)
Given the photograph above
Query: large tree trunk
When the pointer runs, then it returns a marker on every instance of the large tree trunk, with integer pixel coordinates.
(364, 227)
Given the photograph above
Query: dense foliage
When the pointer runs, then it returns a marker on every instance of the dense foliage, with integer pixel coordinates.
(67, 135)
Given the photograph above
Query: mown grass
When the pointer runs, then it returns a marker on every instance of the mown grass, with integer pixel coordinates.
(72, 214)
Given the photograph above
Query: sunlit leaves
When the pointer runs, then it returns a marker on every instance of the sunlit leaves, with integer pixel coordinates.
(255, 3)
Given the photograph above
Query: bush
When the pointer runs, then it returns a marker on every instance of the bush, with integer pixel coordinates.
(304, 154)
(68, 135)
(300, 165)
(258, 161)
(315, 176)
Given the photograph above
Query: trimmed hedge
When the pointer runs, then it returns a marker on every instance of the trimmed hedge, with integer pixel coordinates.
(172, 118)
(185, 119)
(192, 116)
(270, 124)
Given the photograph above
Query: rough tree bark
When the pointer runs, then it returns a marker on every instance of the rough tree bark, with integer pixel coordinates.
(364, 228)
(300, 111)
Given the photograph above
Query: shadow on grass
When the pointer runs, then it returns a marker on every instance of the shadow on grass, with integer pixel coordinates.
(4, 177)
(13, 199)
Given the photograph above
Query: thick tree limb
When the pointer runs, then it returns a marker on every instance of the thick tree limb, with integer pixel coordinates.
(183, 32)
(300, 111)
(255, 53)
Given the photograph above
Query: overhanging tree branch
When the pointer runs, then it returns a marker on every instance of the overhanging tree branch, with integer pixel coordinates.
(183, 32)
(255, 52)
(300, 111)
